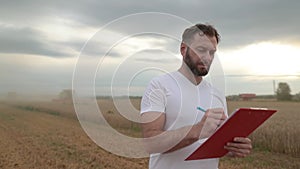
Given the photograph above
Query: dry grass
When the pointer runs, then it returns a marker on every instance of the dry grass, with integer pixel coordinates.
(48, 135)
(281, 133)
(37, 139)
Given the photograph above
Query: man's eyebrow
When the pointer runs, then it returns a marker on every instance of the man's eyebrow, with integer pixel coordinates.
(205, 47)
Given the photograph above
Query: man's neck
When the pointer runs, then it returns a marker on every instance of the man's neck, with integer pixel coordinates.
(189, 74)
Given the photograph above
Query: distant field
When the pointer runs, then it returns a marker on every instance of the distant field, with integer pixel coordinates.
(276, 142)
(280, 134)
(48, 135)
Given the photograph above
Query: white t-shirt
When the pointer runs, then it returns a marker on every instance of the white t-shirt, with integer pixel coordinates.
(178, 98)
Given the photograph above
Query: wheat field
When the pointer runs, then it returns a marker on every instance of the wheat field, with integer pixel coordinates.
(279, 134)
(48, 135)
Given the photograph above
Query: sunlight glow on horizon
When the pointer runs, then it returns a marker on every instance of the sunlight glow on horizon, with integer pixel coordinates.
(264, 58)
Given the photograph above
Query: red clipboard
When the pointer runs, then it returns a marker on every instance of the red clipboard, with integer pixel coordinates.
(240, 124)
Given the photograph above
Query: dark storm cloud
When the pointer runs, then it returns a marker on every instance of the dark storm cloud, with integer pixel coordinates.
(26, 41)
(239, 22)
(255, 21)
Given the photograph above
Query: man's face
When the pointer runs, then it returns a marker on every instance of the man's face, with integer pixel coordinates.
(200, 54)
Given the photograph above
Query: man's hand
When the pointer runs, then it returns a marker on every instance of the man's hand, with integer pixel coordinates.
(240, 147)
(212, 119)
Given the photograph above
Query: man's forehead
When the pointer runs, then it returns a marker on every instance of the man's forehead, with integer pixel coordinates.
(203, 40)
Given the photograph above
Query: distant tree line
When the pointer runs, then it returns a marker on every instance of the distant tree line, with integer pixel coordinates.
(282, 93)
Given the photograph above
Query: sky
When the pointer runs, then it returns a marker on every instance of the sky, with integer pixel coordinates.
(116, 47)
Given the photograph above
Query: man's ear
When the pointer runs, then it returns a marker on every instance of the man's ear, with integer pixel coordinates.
(183, 49)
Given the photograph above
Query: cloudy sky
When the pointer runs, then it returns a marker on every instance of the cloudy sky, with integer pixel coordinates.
(124, 44)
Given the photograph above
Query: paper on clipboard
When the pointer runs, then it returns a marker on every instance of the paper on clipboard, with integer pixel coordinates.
(240, 124)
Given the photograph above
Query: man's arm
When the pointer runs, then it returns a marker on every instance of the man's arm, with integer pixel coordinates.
(158, 140)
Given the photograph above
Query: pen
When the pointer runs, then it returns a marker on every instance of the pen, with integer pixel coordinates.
(201, 109)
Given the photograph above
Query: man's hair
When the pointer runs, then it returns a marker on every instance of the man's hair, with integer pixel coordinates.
(202, 29)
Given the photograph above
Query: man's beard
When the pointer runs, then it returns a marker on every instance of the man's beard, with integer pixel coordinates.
(193, 66)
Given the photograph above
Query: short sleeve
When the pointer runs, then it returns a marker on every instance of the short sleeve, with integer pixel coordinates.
(154, 98)
(222, 99)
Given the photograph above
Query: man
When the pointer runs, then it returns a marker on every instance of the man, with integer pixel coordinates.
(172, 126)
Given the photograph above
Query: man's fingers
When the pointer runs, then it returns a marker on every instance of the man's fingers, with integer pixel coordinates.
(242, 140)
(214, 117)
(224, 117)
(211, 120)
(236, 149)
(236, 152)
(240, 145)
(215, 114)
